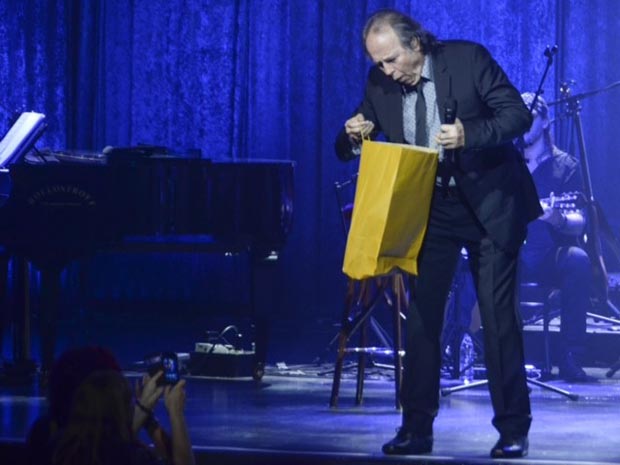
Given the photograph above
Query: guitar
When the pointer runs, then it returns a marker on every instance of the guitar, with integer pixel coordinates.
(566, 202)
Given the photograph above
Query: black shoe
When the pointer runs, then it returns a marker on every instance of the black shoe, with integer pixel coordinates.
(407, 443)
(571, 371)
(510, 447)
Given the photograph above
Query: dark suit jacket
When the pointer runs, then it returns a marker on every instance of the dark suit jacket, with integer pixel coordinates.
(493, 175)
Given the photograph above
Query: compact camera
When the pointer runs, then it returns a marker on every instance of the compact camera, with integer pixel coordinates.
(168, 362)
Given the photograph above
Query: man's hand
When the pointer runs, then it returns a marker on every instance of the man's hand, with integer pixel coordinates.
(357, 128)
(451, 136)
(552, 216)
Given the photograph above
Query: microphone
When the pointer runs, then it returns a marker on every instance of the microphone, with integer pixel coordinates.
(449, 117)
(449, 106)
(449, 110)
(550, 51)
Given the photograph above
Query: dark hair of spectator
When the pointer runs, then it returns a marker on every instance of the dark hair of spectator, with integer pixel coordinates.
(69, 371)
(98, 429)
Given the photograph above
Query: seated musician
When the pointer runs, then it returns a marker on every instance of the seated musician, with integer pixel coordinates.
(551, 255)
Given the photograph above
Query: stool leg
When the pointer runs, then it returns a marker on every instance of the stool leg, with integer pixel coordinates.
(333, 400)
(368, 294)
(361, 364)
(400, 302)
(546, 316)
(343, 337)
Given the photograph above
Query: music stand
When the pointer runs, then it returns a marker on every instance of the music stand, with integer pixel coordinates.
(21, 137)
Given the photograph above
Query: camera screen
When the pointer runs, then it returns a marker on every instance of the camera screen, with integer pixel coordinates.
(166, 362)
(171, 369)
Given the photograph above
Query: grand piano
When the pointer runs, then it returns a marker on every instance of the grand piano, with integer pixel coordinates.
(60, 206)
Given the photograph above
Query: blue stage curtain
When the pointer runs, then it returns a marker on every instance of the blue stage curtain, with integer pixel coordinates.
(243, 79)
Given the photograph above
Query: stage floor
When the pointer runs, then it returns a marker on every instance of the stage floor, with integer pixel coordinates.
(285, 419)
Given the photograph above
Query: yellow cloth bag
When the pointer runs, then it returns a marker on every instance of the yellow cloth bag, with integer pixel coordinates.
(391, 208)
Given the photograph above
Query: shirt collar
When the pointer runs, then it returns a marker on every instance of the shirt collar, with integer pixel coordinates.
(427, 68)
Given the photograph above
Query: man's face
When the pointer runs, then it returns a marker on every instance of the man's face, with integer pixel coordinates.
(402, 64)
(537, 130)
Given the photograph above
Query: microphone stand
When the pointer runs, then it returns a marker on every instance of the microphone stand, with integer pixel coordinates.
(549, 52)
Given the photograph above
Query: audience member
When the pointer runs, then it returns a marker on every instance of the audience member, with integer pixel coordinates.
(91, 417)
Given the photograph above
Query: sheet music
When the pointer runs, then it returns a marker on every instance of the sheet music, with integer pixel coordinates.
(20, 138)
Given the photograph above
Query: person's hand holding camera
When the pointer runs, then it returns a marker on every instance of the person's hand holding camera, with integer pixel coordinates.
(147, 394)
(163, 379)
(174, 399)
(150, 390)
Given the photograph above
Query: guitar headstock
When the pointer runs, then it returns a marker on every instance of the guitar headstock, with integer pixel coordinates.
(571, 105)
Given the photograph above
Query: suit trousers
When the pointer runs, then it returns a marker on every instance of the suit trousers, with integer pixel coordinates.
(452, 226)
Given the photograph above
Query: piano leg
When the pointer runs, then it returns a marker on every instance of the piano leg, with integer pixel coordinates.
(5, 309)
(50, 302)
(260, 353)
(263, 293)
(16, 296)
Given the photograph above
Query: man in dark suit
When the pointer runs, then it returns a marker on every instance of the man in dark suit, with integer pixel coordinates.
(483, 200)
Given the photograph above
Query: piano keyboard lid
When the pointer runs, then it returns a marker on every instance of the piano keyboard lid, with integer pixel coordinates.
(73, 156)
(108, 153)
